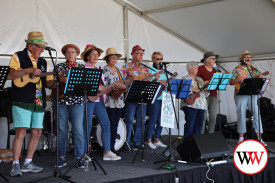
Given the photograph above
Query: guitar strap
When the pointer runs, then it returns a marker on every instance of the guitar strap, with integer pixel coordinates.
(119, 75)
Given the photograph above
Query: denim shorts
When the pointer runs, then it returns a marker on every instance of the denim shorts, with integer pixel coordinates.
(26, 118)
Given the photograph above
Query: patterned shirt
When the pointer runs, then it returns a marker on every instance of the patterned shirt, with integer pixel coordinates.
(103, 97)
(70, 100)
(111, 78)
(162, 77)
(241, 71)
(200, 103)
(134, 70)
(15, 64)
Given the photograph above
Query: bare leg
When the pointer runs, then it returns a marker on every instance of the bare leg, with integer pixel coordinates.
(33, 141)
(17, 143)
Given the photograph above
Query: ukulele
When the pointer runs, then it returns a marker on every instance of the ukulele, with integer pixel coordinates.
(192, 97)
(29, 78)
(94, 98)
(238, 85)
(117, 93)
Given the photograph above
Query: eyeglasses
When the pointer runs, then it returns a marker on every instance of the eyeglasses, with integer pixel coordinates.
(139, 53)
(114, 57)
(70, 52)
(213, 58)
(159, 58)
(95, 54)
(40, 47)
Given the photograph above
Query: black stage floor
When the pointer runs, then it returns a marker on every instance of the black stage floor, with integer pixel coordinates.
(142, 172)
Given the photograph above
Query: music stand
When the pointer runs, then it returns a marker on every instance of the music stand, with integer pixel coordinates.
(251, 86)
(219, 81)
(181, 88)
(4, 72)
(84, 81)
(142, 92)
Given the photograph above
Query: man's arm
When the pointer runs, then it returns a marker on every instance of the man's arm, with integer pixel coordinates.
(14, 74)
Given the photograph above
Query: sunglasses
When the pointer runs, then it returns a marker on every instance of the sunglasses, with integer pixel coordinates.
(159, 58)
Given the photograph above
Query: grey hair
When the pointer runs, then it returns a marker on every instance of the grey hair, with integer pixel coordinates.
(190, 65)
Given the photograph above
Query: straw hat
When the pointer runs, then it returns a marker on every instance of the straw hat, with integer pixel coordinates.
(245, 52)
(36, 38)
(111, 51)
(63, 50)
(207, 55)
(88, 48)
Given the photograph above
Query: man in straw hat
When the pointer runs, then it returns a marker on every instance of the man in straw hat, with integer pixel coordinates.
(134, 70)
(241, 72)
(206, 72)
(29, 101)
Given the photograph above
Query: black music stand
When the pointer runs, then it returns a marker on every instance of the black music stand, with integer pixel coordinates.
(142, 92)
(181, 88)
(247, 87)
(219, 81)
(83, 81)
(4, 72)
(252, 87)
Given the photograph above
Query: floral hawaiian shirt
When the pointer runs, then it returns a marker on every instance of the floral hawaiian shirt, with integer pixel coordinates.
(111, 78)
(70, 100)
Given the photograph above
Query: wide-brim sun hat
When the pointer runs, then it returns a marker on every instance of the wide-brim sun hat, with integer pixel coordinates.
(36, 38)
(111, 51)
(207, 55)
(246, 52)
(63, 50)
(90, 47)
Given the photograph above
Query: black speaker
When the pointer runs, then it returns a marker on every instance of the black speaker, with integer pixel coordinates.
(203, 146)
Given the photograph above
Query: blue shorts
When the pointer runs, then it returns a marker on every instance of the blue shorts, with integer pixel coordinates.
(23, 118)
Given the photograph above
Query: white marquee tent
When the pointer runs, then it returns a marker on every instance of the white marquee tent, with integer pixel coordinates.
(181, 29)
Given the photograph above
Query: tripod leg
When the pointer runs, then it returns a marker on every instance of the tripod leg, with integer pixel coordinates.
(7, 180)
(137, 153)
(98, 164)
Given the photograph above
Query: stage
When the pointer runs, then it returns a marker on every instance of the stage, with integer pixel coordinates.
(124, 171)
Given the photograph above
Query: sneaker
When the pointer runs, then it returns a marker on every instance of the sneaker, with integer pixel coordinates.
(111, 156)
(30, 167)
(151, 145)
(160, 144)
(15, 170)
(80, 164)
(61, 163)
(240, 140)
(265, 144)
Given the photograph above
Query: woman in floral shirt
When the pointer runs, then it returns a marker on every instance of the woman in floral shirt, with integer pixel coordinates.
(114, 106)
(194, 113)
(90, 56)
(74, 104)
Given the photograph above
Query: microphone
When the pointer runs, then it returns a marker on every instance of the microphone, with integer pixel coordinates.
(49, 48)
(243, 62)
(217, 69)
(165, 63)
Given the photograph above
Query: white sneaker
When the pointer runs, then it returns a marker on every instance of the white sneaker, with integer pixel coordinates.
(151, 145)
(239, 141)
(111, 156)
(160, 144)
(265, 144)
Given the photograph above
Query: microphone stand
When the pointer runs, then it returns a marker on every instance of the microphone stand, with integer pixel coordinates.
(57, 173)
(255, 88)
(171, 157)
